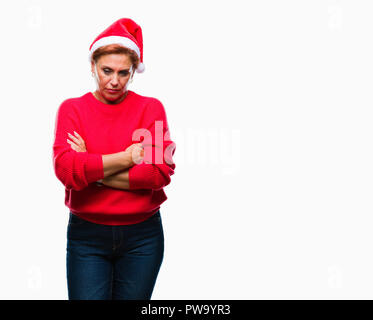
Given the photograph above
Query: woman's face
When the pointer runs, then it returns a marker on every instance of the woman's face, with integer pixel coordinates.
(112, 73)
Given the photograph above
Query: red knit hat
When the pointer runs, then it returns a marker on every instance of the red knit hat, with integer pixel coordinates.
(125, 32)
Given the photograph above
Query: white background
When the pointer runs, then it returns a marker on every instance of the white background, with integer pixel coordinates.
(270, 106)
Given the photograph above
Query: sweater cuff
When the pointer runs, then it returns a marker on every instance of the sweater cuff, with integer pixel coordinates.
(94, 168)
(142, 176)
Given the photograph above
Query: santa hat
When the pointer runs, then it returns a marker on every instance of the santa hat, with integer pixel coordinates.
(125, 32)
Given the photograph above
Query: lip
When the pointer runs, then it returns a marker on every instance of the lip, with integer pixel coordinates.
(112, 91)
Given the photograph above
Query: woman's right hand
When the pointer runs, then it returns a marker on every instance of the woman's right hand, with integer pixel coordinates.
(134, 153)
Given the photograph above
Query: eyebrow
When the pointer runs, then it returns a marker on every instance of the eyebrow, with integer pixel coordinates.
(106, 67)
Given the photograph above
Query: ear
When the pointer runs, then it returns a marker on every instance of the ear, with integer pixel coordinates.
(92, 67)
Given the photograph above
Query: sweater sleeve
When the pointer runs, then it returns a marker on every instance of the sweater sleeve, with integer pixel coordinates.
(74, 169)
(155, 171)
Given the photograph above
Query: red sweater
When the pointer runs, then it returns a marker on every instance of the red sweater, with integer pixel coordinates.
(108, 129)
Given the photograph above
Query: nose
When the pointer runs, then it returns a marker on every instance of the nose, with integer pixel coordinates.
(114, 80)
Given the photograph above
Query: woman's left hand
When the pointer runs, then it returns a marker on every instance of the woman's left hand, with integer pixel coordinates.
(78, 143)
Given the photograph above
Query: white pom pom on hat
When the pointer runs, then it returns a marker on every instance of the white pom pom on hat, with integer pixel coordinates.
(140, 68)
(125, 32)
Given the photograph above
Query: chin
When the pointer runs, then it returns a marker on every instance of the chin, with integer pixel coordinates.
(113, 97)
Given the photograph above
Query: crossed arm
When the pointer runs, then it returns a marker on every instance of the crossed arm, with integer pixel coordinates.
(118, 180)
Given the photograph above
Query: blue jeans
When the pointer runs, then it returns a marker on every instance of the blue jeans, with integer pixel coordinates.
(113, 262)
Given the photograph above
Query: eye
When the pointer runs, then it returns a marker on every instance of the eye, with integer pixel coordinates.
(107, 71)
(125, 73)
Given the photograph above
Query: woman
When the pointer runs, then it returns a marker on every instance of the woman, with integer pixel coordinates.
(113, 153)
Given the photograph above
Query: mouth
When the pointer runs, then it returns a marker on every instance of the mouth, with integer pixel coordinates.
(112, 91)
